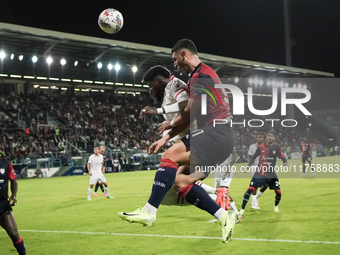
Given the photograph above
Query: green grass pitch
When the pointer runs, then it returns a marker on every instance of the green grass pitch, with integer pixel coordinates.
(309, 211)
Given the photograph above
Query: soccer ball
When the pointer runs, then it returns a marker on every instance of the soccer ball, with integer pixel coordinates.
(110, 21)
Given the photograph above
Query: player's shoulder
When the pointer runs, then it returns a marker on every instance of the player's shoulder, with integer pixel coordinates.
(261, 146)
(176, 84)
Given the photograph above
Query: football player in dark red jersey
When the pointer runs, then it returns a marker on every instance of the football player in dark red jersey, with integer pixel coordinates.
(306, 151)
(265, 172)
(7, 220)
(209, 145)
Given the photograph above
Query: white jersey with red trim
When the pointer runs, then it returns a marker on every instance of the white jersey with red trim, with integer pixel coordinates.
(175, 92)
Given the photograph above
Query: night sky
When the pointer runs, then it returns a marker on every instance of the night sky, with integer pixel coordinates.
(244, 29)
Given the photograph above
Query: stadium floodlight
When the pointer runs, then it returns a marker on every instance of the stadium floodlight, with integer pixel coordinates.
(304, 86)
(49, 60)
(286, 85)
(294, 86)
(310, 124)
(62, 61)
(99, 65)
(12, 56)
(281, 84)
(21, 57)
(236, 80)
(109, 66)
(260, 82)
(75, 63)
(2, 54)
(256, 81)
(134, 69)
(34, 59)
(269, 83)
(117, 67)
(299, 86)
(251, 81)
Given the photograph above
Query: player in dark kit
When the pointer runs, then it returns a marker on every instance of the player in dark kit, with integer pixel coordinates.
(210, 144)
(7, 220)
(265, 172)
(306, 148)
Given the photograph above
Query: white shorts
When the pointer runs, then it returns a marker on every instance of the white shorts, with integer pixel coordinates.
(97, 177)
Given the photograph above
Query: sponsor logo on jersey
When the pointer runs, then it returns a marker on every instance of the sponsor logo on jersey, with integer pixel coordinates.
(2, 181)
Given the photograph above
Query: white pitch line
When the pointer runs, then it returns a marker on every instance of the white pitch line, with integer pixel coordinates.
(173, 236)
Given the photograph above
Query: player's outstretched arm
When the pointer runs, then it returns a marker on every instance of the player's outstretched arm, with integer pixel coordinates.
(14, 190)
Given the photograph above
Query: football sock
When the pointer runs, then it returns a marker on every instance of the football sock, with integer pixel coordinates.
(213, 197)
(101, 187)
(89, 190)
(277, 197)
(197, 196)
(233, 206)
(304, 169)
(206, 187)
(253, 199)
(20, 246)
(164, 179)
(246, 197)
(107, 190)
(259, 193)
(150, 209)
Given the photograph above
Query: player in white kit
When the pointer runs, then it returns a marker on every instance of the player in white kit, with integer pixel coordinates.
(96, 168)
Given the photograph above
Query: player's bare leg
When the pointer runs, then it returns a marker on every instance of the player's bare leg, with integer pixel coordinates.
(259, 193)
(8, 222)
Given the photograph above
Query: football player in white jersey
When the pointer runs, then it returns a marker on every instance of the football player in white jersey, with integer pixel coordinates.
(169, 88)
(96, 170)
(252, 148)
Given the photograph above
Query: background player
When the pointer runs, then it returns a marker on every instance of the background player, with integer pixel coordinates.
(96, 170)
(7, 220)
(265, 173)
(252, 149)
(306, 150)
(185, 57)
(101, 151)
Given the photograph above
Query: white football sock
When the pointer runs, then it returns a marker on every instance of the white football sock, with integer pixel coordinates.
(150, 209)
(107, 191)
(233, 206)
(207, 188)
(220, 213)
(259, 193)
(253, 200)
(213, 196)
(89, 191)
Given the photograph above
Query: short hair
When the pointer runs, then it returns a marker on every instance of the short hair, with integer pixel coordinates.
(155, 71)
(271, 132)
(185, 44)
(260, 134)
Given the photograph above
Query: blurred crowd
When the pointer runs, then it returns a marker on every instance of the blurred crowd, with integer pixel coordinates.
(102, 119)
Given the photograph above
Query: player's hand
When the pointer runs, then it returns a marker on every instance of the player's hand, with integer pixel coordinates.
(165, 125)
(90, 173)
(12, 200)
(154, 148)
(148, 110)
(285, 164)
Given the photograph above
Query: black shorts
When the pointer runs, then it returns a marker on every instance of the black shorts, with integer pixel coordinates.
(306, 158)
(273, 183)
(210, 146)
(5, 207)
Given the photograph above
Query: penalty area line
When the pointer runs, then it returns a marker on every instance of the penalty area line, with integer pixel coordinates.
(174, 236)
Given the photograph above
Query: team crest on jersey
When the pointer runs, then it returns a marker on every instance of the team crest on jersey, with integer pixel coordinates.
(2, 170)
(274, 152)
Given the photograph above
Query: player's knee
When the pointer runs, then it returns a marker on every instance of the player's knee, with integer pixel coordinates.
(250, 190)
(278, 192)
